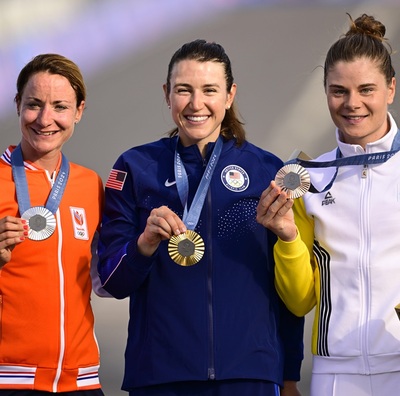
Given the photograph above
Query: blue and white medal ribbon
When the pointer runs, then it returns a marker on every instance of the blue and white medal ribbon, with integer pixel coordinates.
(41, 219)
(188, 248)
(296, 182)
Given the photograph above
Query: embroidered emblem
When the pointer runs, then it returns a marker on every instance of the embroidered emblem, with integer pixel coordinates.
(235, 178)
(116, 179)
(79, 223)
(328, 199)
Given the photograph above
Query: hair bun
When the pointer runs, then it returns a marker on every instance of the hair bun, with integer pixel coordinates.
(366, 24)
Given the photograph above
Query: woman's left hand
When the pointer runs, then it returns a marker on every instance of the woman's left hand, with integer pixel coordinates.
(290, 389)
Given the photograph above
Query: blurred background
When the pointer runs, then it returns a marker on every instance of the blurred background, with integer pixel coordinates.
(123, 48)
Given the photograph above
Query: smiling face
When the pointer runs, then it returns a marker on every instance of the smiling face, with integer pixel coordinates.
(358, 98)
(198, 100)
(48, 113)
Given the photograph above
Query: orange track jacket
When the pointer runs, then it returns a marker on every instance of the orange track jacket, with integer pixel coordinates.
(47, 339)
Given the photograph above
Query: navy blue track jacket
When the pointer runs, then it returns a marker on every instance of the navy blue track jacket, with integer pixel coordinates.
(220, 318)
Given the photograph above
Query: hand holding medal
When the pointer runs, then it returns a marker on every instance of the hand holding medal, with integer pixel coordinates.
(185, 247)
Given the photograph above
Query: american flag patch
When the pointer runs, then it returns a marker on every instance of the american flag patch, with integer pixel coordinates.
(116, 179)
(234, 175)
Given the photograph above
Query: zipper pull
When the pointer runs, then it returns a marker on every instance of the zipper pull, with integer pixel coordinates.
(364, 171)
(211, 374)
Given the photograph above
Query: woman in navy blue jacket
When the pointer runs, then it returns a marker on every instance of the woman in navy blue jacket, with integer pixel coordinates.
(180, 238)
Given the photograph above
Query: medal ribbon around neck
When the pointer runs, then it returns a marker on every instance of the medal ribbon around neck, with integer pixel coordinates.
(41, 219)
(362, 159)
(188, 248)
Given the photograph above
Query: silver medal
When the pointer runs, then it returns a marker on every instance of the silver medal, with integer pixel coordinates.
(293, 179)
(41, 221)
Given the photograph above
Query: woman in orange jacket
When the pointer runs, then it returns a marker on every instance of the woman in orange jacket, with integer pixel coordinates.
(49, 216)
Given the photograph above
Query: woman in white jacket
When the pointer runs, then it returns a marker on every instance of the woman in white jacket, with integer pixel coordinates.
(339, 247)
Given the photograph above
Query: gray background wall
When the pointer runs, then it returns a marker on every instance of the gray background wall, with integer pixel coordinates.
(276, 49)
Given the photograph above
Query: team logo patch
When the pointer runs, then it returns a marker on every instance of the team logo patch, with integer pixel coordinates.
(79, 223)
(235, 178)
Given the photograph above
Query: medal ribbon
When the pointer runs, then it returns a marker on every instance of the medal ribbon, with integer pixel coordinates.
(362, 159)
(21, 184)
(191, 217)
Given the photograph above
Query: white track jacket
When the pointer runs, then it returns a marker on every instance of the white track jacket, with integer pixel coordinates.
(346, 262)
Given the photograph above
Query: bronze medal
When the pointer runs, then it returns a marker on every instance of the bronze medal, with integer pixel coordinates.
(41, 221)
(186, 249)
(293, 179)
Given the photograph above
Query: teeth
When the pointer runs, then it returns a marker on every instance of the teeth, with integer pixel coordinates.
(197, 119)
(45, 133)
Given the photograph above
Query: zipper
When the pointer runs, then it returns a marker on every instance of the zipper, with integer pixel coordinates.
(211, 355)
(364, 267)
(61, 355)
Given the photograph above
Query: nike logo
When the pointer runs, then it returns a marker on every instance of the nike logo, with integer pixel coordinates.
(169, 183)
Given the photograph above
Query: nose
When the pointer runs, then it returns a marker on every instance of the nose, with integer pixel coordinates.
(196, 100)
(352, 101)
(45, 116)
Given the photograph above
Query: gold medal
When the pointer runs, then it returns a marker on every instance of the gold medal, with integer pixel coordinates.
(186, 249)
(293, 179)
(41, 221)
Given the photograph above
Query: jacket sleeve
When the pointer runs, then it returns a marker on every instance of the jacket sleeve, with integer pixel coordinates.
(294, 265)
(94, 275)
(121, 267)
(291, 329)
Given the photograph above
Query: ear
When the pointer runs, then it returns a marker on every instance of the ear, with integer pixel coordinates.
(231, 96)
(79, 112)
(392, 91)
(166, 95)
(18, 105)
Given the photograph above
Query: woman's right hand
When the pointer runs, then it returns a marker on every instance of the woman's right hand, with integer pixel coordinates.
(274, 211)
(13, 231)
(162, 224)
